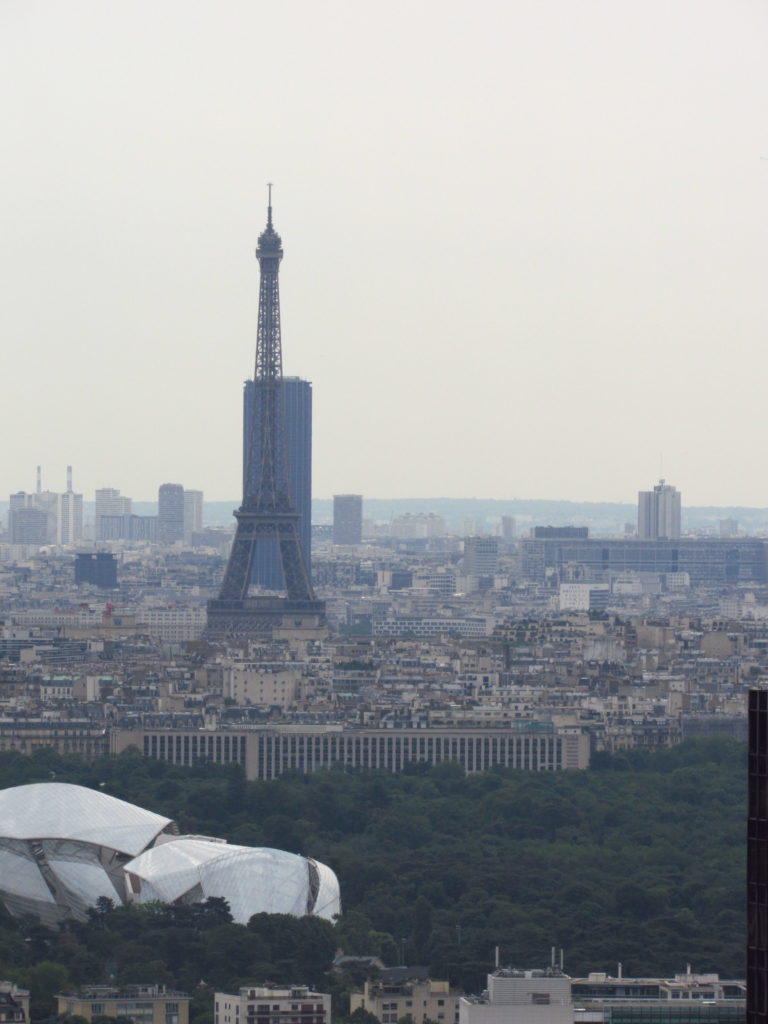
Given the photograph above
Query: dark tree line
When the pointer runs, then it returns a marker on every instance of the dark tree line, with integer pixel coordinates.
(640, 859)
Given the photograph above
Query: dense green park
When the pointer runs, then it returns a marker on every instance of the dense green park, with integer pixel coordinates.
(641, 860)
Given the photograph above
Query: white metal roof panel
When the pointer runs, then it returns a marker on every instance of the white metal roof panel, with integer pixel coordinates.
(60, 810)
(172, 869)
(328, 902)
(258, 880)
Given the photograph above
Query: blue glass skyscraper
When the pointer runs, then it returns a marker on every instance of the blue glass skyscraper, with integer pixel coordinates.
(297, 426)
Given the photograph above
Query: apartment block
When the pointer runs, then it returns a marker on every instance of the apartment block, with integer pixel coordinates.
(142, 1004)
(407, 992)
(269, 1004)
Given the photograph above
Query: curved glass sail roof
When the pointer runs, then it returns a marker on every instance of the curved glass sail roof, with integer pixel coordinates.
(252, 880)
(170, 870)
(59, 810)
(64, 846)
(328, 901)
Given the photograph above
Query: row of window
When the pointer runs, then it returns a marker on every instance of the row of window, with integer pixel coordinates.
(279, 753)
(282, 753)
(97, 1009)
(188, 749)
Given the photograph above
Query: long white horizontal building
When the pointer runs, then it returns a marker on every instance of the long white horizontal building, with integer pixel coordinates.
(267, 753)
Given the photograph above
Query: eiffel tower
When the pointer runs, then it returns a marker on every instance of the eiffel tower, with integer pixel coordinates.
(267, 512)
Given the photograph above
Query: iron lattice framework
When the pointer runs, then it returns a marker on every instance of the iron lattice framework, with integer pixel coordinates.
(267, 512)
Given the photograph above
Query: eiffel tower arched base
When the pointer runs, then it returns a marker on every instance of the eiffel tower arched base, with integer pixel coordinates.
(261, 617)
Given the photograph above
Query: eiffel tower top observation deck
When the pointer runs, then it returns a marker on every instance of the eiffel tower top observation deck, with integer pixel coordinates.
(267, 511)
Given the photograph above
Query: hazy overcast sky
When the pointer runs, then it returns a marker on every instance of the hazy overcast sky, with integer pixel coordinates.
(526, 242)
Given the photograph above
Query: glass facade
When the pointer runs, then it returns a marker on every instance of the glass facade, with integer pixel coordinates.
(706, 561)
(297, 419)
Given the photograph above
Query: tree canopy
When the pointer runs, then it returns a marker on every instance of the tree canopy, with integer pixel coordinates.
(640, 859)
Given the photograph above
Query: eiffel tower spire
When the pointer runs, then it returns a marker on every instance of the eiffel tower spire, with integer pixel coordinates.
(267, 511)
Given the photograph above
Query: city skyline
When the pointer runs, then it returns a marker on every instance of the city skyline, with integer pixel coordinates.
(527, 263)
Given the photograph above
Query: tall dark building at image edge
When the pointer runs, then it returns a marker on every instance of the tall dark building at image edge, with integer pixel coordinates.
(757, 860)
(297, 425)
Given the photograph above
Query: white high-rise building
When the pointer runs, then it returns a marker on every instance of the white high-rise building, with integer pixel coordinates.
(193, 513)
(658, 513)
(347, 518)
(70, 517)
(481, 556)
(170, 513)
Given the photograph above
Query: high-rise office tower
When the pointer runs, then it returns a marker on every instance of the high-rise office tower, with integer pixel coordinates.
(193, 513)
(347, 518)
(481, 556)
(470, 527)
(267, 510)
(112, 514)
(48, 502)
(729, 527)
(297, 424)
(508, 529)
(28, 525)
(757, 860)
(170, 513)
(70, 513)
(70, 517)
(17, 501)
(658, 513)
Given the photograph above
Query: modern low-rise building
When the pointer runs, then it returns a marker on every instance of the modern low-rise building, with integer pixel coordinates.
(584, 597)
(270, 1004)
(551, 997)
(706, 560)
(142, 1004)
(521, 997)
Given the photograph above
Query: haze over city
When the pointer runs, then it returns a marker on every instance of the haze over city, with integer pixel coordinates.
(524, 243)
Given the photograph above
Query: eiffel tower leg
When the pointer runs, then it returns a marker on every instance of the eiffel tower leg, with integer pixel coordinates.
(237, 577)
(298, 586)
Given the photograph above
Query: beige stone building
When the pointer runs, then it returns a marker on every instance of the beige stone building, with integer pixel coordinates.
(14, 1004)
(407, 992)
(66, 736)
(262, 684)
(144, 1004)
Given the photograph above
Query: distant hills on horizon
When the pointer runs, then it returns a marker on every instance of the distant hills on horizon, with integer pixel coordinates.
(603, 518)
